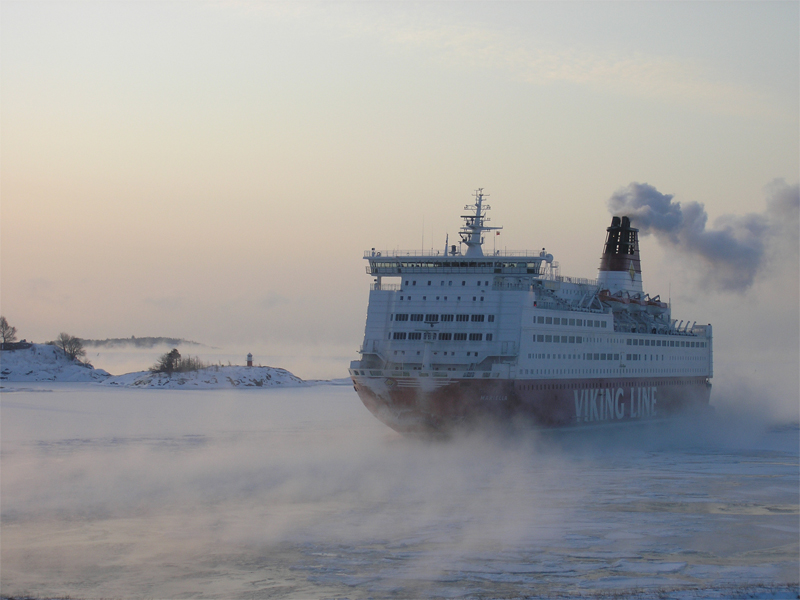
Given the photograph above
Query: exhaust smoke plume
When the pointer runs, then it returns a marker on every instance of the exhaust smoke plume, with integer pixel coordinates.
(733, 251)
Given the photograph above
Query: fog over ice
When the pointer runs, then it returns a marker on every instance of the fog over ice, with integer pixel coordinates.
(301, 492)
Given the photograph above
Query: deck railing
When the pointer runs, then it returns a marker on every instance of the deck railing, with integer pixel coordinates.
(440, 254)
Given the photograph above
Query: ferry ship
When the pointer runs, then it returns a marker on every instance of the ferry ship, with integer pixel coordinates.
(458, 337)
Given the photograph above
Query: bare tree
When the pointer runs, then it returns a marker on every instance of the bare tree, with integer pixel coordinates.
(7, 332)
(72, 346)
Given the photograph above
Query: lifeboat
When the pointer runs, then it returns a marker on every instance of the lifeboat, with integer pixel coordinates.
(637, 303)
(654, 306)
(617, 301)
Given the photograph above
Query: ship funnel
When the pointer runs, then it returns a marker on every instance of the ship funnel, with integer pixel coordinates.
(620, 268)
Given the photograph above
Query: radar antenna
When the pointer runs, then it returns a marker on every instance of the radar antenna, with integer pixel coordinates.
(474, 224)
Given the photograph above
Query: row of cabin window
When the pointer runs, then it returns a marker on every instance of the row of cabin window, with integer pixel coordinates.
(564, 339)
(572, 322)
(444, 337)
(463, 283)
(670, 343)
(601, 356)
(586, 356)
(558, 339)
(443, 318)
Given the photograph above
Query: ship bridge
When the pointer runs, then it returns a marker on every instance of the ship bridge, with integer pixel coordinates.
(397, 263)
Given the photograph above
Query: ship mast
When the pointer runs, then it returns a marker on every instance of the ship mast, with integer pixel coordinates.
(473, 228)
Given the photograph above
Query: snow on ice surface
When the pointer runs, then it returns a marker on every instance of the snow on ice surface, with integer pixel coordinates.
(299, 492)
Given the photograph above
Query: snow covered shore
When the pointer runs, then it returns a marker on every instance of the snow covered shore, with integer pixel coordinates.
(215, 377)
(42, 362)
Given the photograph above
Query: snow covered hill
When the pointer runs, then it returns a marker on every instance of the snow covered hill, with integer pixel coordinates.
(214, 377)
(42, 362)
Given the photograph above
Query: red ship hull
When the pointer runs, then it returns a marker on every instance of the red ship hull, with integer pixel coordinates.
(411, 405)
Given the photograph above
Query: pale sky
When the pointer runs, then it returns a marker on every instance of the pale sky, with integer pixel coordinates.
(214, 171)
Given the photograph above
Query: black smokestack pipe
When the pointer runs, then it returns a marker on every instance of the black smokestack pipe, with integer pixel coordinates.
(621, 251)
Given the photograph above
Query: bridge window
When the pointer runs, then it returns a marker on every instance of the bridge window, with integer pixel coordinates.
(477, 318)
(459, 336)
(399, 335)
(462, 317)
(415, 335)
(475, 337)
(488, 337)
(416, 317)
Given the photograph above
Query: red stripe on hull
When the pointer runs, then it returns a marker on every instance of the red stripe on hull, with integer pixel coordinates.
(411, 405)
